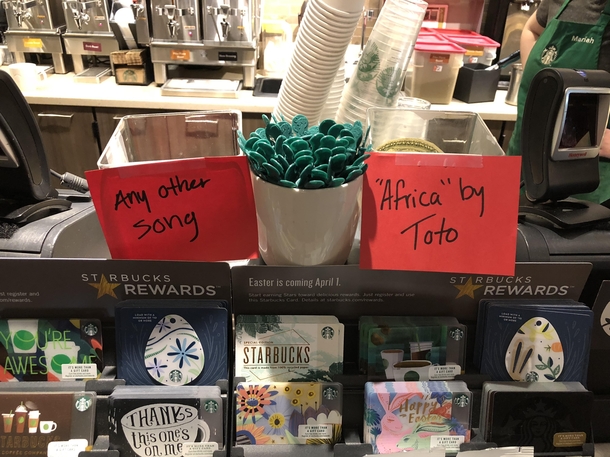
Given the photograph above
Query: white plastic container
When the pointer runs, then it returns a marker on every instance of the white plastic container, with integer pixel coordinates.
(435, 71)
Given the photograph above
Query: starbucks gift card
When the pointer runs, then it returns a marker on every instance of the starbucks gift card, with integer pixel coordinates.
(288, 348)
(162, 421)
(557, 304)
(172, 342)
(408, 416)
(50, 349)
(411, 348)
(551, 417)
(288, 413)
(32, 420)
(536, 342)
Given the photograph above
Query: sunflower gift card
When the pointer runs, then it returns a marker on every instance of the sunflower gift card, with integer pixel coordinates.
(288, 413)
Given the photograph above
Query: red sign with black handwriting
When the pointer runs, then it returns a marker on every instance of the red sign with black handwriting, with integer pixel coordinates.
(192, 209)
(440, 212)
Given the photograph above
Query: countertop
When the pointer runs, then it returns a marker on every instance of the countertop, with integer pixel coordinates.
(63, 90)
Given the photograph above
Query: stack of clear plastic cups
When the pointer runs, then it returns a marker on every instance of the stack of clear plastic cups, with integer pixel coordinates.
(324, 35)
(377, 80)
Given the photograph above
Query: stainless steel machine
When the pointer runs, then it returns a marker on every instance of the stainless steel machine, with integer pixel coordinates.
(88, 34)
(215, 33)
(36, 26)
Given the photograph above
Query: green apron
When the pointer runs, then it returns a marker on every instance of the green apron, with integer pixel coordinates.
(559, 46)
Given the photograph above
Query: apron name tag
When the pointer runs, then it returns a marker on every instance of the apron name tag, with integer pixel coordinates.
(585, 39)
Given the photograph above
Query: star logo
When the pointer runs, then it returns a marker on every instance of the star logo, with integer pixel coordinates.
(105, 288)
(467, 289)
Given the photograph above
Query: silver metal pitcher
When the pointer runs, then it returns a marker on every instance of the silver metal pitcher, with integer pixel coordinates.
(516, 72)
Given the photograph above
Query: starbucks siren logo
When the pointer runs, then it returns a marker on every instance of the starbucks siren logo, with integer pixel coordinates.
(330, 393)
(90, 330)
(83, 404)
(457, 334)
(461, 400)
(211, 406)
(328, 333)
(549, 55)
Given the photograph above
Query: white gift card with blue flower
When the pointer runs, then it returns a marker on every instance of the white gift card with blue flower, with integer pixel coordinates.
(161, 344)
(174, 355)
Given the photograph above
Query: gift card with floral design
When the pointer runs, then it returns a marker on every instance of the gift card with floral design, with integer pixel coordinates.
(288, 413)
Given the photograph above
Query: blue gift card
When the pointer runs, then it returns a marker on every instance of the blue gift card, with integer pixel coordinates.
(536, 343)
(172, 343)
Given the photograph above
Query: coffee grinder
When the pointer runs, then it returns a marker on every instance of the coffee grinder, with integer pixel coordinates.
(35, 26)
(89, 34)
(209, 33)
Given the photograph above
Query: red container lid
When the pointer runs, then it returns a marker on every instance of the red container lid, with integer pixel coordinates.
(458, 32)
(447, 47)
(476, 40)
(428, 30)
(431, 37)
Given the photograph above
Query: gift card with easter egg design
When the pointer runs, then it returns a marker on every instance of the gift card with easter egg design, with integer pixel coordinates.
(173, 343)
(50, 349)
(537, 343)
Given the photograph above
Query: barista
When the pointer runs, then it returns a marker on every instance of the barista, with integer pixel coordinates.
(576, 35)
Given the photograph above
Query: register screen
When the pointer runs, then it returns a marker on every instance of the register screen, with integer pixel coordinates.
(580, 123)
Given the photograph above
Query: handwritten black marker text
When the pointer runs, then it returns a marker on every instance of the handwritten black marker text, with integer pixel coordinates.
(176, 187)
(429, 229)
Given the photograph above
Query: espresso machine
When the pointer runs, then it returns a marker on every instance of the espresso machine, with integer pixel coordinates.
(89, 34)
(35, 26)
(209, 33)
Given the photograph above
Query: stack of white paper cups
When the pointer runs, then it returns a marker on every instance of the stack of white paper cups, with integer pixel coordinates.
(324, 35)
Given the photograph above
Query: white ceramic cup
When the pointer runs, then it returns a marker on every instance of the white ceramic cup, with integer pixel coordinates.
(26, 75)
(412, 370)
(47, 426)
(306, 226)
(391, 357)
